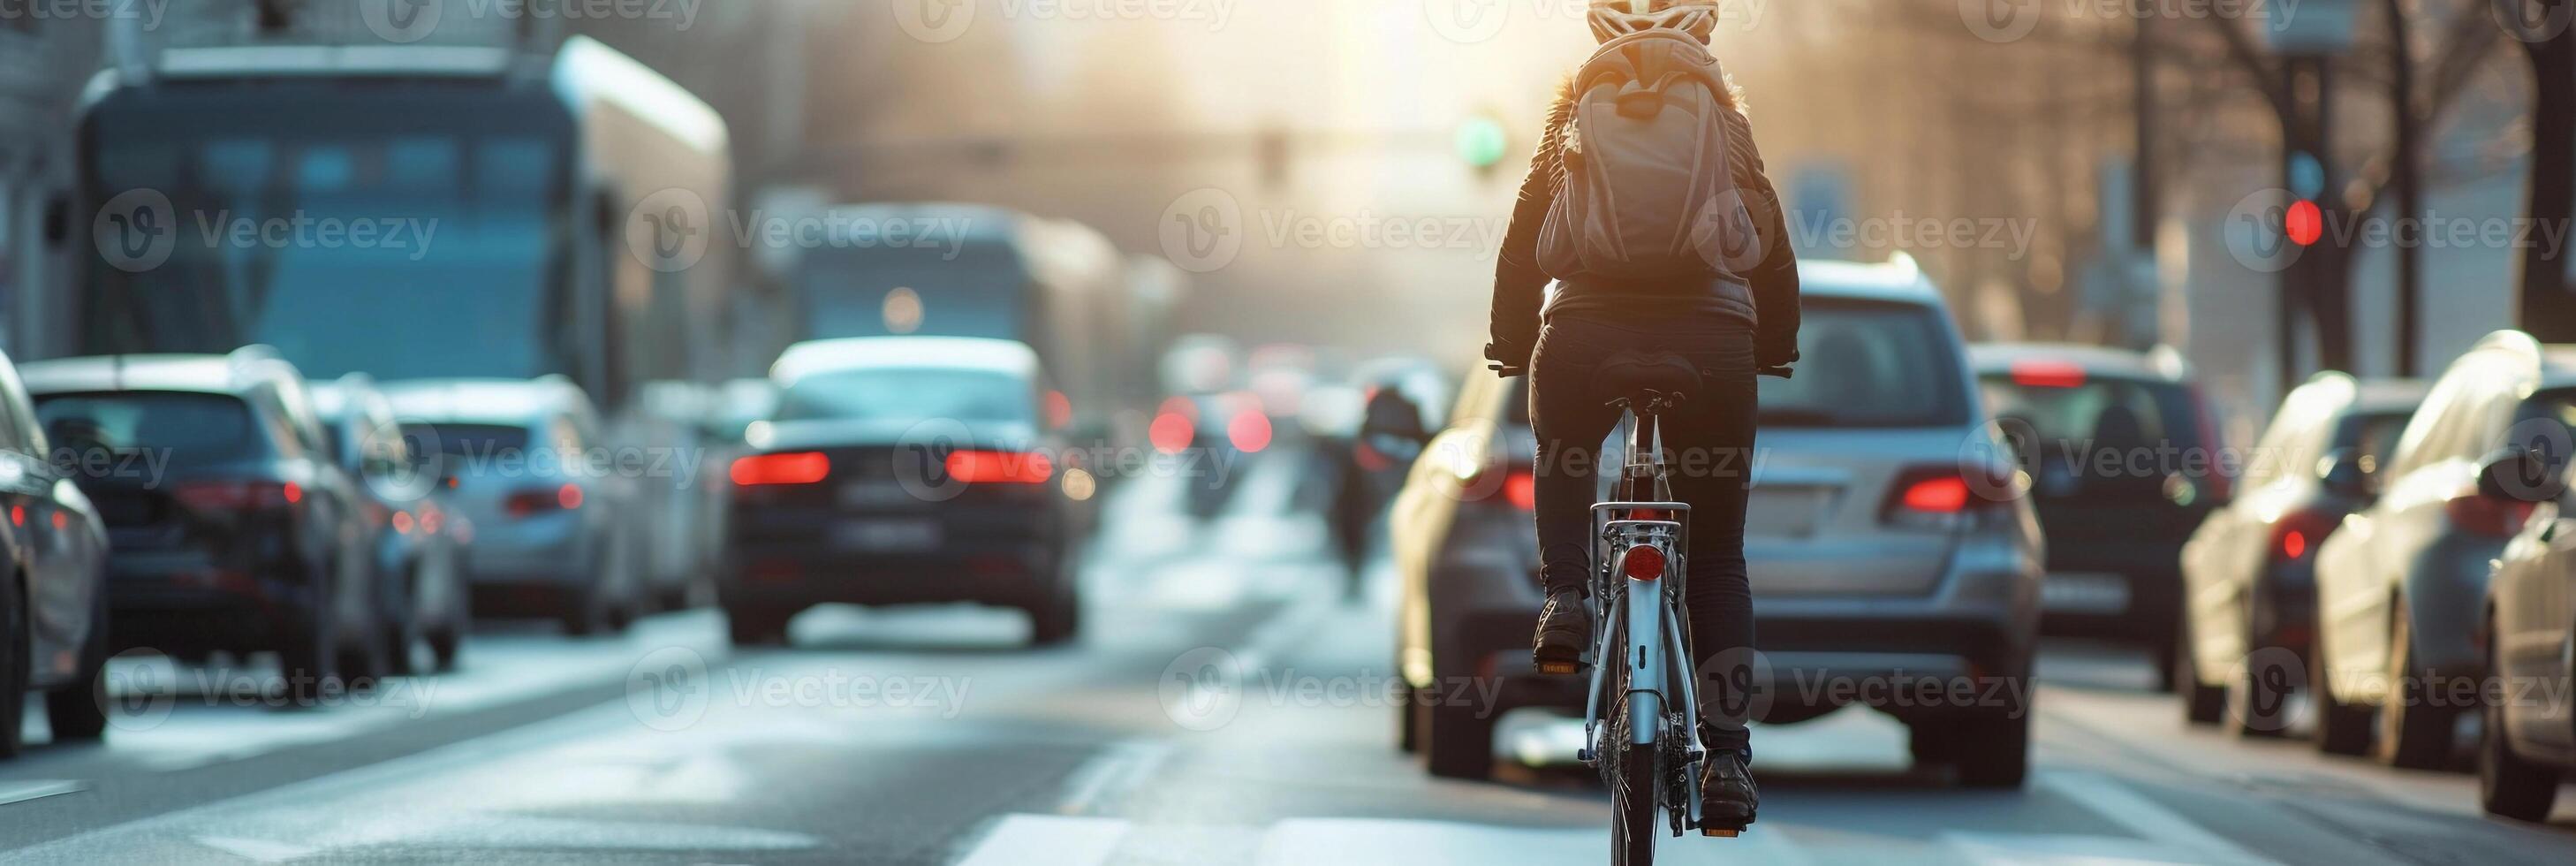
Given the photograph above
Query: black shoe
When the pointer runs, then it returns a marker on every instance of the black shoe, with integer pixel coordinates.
(1727, 797)
(1564, 632)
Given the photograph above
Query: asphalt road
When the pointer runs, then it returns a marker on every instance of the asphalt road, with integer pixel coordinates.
(1225, 706)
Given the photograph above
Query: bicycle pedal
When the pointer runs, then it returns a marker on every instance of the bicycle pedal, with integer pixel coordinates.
(1560, 669)
(1716, 833)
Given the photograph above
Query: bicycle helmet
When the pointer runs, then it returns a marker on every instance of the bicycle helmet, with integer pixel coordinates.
(1612, 19)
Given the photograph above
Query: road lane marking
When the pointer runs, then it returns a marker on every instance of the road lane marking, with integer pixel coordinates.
(2124, 806)
(36, 789)
(1364, 841)
(1061, 840)
(1117, 769)
(257, 850)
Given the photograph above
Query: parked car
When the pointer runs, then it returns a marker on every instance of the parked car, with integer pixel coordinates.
(905, 470)
(2527, 746)
(1877, 550)
(555, 528)
(2249, 572)
(421, 599)
(53, 610)
(2401, 588)
(2121, 451)
(232, 528)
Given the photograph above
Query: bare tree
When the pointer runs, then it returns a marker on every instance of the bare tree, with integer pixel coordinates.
(2549, 41)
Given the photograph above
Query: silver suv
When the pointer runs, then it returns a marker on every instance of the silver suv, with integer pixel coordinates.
(1894, 562)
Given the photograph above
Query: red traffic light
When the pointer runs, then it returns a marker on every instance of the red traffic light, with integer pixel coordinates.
(2305, 223)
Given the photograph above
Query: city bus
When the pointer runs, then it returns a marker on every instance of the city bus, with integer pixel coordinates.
(415, 213)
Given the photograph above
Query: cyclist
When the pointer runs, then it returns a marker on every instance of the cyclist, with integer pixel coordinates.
(1729, 321)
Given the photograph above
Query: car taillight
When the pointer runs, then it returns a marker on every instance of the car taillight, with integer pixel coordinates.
(1940, 498)
(2488, 516)
(2298, 534)
(529, 502)
(999, 467)
(2041, 373)
(1642, 563)
(1521, 487)
(804, 467)
(233, 496)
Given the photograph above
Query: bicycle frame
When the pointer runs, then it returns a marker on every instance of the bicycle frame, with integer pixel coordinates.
(1654, 651)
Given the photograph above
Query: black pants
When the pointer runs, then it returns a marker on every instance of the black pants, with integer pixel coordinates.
(1709, 456)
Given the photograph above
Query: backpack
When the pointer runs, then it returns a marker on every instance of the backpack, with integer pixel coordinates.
(1648, 189)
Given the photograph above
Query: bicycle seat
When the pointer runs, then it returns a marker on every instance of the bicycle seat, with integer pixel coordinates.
(1642, 379)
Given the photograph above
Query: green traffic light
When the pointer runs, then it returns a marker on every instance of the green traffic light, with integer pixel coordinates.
(1481, 142)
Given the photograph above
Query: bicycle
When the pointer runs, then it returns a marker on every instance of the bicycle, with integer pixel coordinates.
(1647, 750)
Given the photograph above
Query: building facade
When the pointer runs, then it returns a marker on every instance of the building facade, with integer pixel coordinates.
(44, 62)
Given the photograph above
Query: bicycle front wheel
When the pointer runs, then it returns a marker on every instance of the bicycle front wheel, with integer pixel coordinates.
(1630, 769)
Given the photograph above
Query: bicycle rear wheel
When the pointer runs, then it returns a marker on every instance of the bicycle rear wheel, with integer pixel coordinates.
(1631, 772)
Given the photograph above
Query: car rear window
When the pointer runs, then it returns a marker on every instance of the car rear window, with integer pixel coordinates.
(193, 428)
(2373, 434)
(2072, 414)
(909, 395)
(1869, 365)
(465, 449)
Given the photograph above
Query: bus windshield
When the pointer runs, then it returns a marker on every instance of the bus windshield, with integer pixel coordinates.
(406, 234)
(880, 291)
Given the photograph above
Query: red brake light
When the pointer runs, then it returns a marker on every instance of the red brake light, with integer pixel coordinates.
(1000, 467)
(2294, 544)
(2048, 374)
(402, 522)
(805, 467)
(1521, 487)
(568, 496)
(1249, 430)
(528, 502)
(231, 496)
(1946, 494)
(1643, 563)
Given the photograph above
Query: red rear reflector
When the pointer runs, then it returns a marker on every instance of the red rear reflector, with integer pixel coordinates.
(1643, 563)
(805, 467)
(1000, 467)
(1522, 489)
(220, 496)
(2048, 374)
(1943, 495)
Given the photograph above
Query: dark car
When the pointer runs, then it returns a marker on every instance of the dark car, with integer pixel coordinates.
(421, 595)
(53, 612)
(2124, 459)
(232, 527)
(2249, 572)
(904, 470)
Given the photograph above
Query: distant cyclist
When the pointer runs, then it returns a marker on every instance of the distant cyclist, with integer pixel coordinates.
(1710, 279)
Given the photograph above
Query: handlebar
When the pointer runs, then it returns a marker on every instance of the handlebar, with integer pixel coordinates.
(1780, 372)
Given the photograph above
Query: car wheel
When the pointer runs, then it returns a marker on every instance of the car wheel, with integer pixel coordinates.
(445, 643)
(2202, 704)
(361, 663)
(2259, 690)
(2342, 729)
(1408, 737)
(79, 711)
(1933, 742)
(751, 627)
(1056, 620)
(13, 669)
(1457, 741)
(306, 663)
(1993, 745)
(406, 633)
(2413, 733)
(2509, 785)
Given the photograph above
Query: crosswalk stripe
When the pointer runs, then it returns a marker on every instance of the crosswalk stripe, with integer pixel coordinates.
(2129, 809)
(36, 789)
(1059, 839)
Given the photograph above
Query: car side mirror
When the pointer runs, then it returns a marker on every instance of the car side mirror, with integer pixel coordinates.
(2520, 475)
(2345, 472)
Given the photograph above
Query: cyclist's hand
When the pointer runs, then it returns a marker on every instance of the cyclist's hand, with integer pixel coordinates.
(1782, 372)
(1507, 360)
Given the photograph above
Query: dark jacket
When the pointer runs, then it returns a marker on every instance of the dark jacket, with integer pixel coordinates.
(1519, 284)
